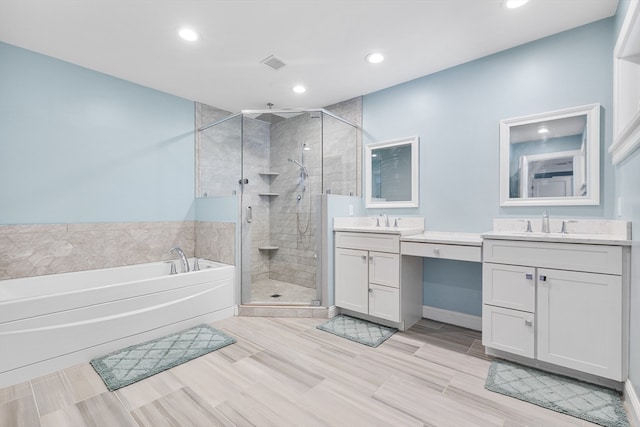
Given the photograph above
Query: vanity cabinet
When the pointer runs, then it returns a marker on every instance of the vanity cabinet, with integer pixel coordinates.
(368, 277)
(558, 303)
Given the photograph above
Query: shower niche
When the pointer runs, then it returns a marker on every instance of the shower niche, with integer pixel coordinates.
(278, 163)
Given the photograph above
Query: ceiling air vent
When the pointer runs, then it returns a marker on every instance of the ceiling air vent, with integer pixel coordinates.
(273, 62)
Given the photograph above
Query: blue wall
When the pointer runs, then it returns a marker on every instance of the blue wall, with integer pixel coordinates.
(81, 146)
(456, 114)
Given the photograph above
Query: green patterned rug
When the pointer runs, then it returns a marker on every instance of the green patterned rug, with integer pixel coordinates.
(561, 394)
(140, 361)
(357, 330)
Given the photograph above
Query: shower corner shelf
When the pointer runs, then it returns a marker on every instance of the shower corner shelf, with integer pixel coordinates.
(268, 248)
(272, 174)
(269, 194)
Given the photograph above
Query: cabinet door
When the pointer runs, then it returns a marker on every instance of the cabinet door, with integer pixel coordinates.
(352, 279)
(508, 330)
(579, 319)
(384, 269)
(384, 302)
(510, 286)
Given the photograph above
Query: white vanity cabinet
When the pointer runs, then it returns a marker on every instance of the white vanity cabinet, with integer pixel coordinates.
(368, 278)
(559, 303)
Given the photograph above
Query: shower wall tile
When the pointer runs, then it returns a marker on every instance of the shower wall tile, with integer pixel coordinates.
(32, 250)
(216, 241)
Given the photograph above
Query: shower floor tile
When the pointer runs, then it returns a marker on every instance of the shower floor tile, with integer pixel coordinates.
(265, 291)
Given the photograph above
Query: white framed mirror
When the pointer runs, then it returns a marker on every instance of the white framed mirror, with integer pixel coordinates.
(391, 173)
(551, 159)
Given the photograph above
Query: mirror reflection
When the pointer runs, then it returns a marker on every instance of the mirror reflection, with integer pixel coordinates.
(551, 158)
(392, 173)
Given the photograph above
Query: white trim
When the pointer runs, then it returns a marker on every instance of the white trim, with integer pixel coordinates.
(626, 135)
(452, 317)
(633, 404)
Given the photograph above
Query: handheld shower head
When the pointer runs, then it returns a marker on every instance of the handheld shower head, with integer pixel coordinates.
(302, 167)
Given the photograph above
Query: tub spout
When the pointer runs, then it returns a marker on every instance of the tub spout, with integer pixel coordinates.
(183, 258)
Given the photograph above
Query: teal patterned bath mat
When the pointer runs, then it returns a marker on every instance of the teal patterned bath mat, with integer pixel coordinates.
(357, 330)
(561, 394)
(140, 361)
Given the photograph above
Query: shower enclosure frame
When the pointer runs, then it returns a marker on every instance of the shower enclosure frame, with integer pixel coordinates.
(320, 225)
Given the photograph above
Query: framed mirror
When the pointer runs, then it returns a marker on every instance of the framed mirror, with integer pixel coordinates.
(551, 159)
(391, 173)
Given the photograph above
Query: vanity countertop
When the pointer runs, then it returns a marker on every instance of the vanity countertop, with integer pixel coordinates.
(592, 239)
(584, 231)
(406, 225)
(446, 238)
(402, 231)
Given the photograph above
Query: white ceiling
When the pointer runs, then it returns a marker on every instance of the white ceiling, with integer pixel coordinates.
(323, 42)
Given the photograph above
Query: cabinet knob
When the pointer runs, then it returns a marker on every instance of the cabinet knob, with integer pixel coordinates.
(370, 290)
(529, 276)
(436, 251)
(543, 278)
(528, 322)
(364, 257)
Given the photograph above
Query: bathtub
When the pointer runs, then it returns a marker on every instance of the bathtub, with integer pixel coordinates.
(51, 322)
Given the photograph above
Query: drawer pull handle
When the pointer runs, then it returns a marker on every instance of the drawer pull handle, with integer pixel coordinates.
(529, 276)
(528, 322)
(370, 291)
(543, 278)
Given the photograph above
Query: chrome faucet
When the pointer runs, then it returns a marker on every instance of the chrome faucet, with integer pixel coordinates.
(183, 258)
(545, 222)
(386, 219)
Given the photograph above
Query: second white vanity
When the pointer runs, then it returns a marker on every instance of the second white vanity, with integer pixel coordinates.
(558, 301)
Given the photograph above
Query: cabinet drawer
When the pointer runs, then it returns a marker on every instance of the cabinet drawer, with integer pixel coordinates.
(368, 241)
(384, 269)
(510, 286)
(508, 330)
(384, 302)
(436, 250)
(564, 256)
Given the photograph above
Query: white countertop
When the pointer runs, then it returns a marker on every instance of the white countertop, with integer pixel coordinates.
(592, 239)
(446, 237)
(406, 225)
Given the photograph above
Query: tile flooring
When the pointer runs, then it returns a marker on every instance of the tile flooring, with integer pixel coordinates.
(285, 372)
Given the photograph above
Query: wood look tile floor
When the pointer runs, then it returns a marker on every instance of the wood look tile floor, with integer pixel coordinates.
(285, 372)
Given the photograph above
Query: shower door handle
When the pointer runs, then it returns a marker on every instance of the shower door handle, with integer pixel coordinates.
(249, 215)
(243, 181)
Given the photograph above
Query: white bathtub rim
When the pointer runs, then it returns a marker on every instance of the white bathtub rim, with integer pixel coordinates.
(205, 266)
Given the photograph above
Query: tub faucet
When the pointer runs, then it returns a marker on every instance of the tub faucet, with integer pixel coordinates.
(183, 258)
(545, 222)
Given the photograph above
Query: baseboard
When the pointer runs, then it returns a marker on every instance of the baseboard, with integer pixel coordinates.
(633, 404)
(452, 317)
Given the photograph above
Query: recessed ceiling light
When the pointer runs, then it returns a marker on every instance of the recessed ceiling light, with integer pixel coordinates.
(299, 89)
(542, 131)
(513, 4)
(374, 58)
(188, 34)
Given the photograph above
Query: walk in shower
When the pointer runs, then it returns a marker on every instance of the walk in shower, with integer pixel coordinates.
(279, 163)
